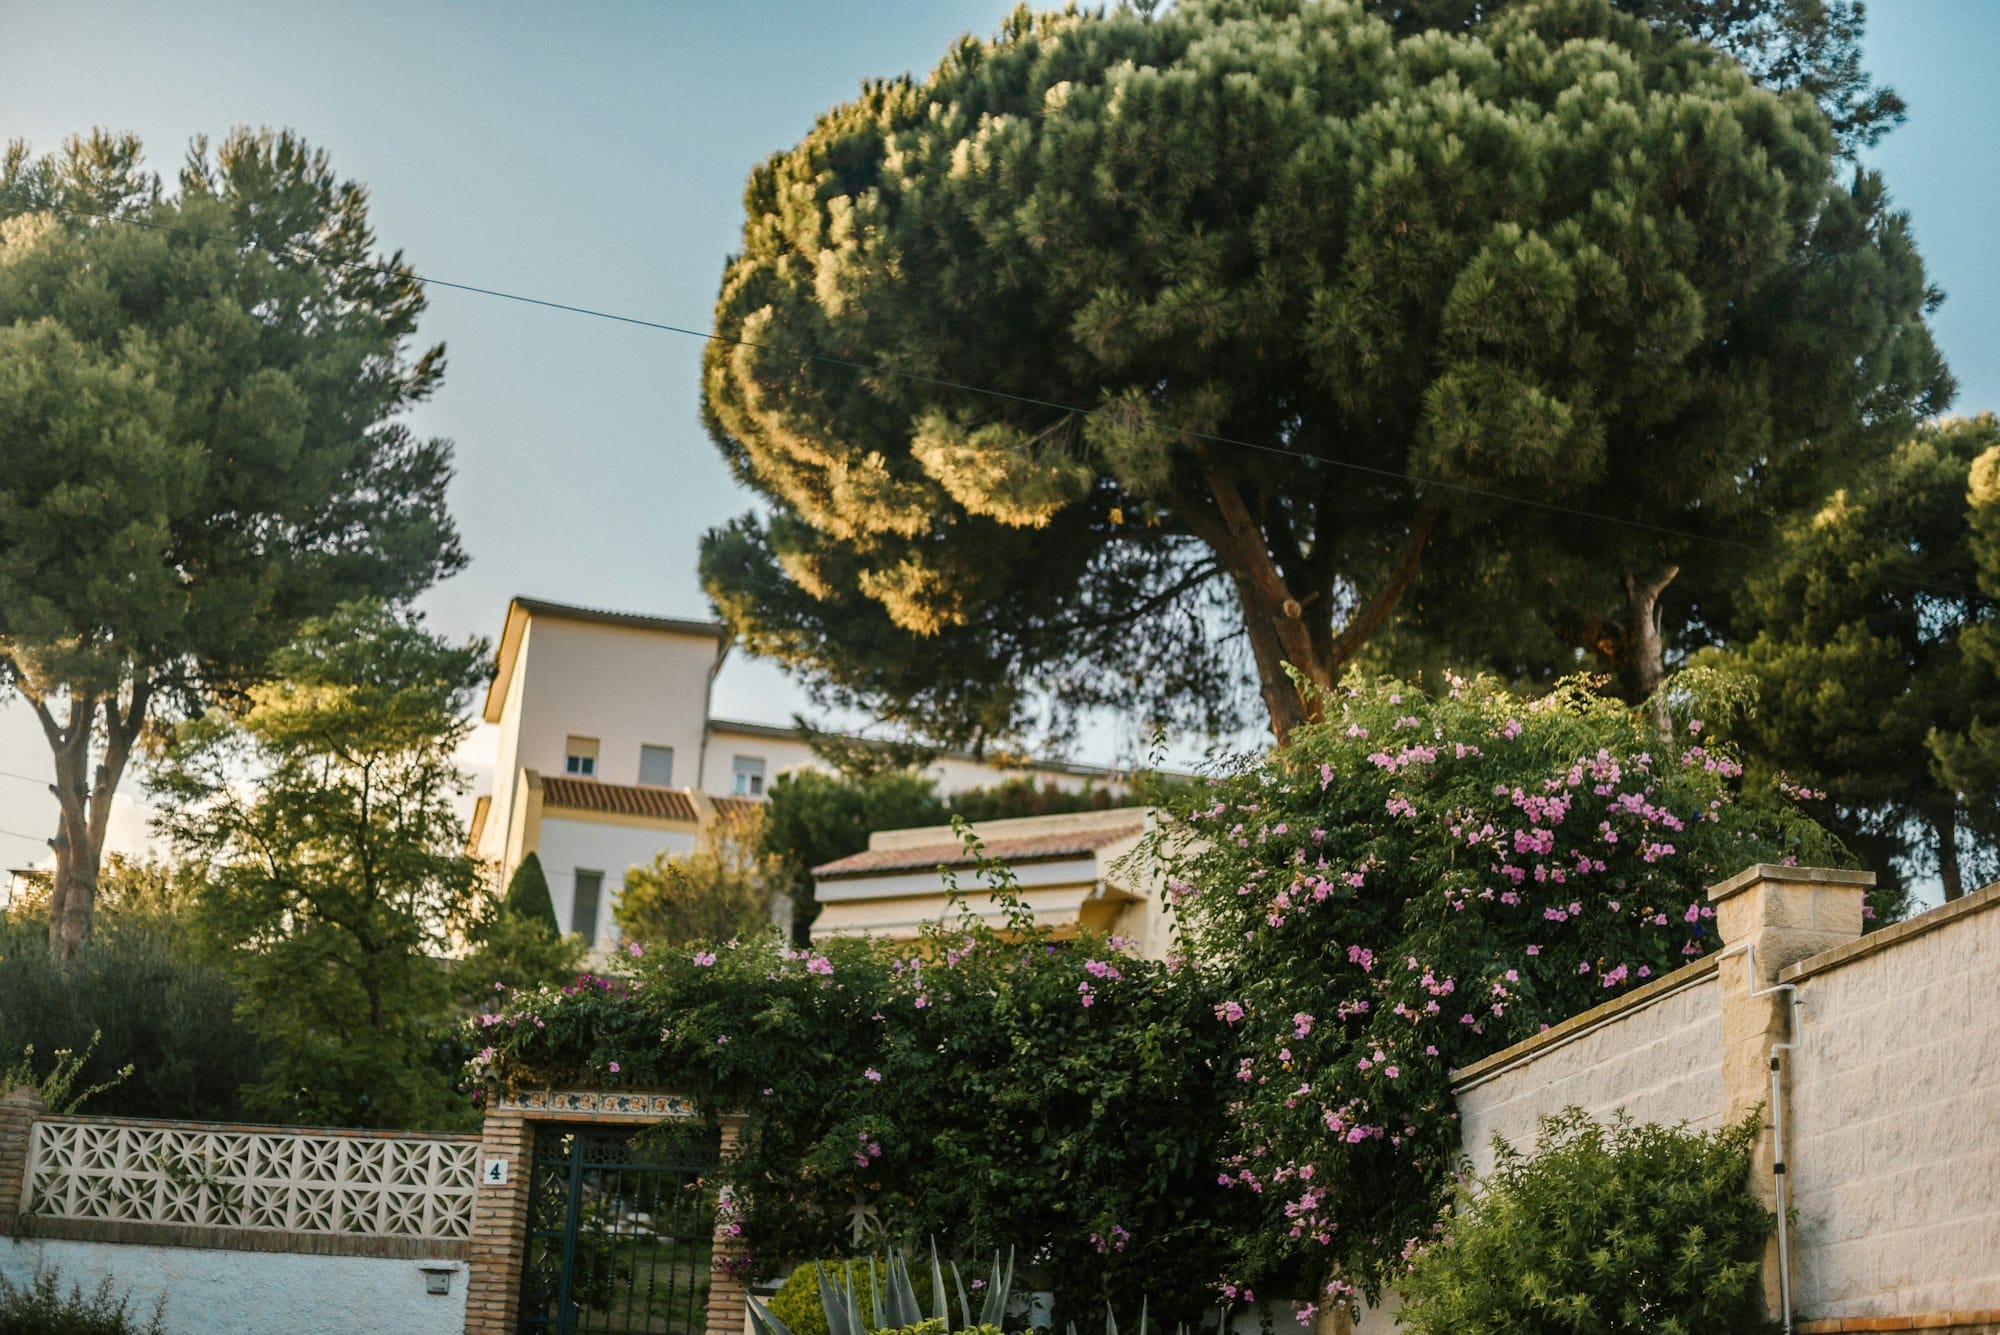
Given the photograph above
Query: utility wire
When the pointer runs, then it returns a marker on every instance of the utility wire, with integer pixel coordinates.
(867, 368)
(24, 778)
(32, 838)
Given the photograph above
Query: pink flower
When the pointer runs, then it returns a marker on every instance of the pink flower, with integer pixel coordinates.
(819, 964)
(705, 959)
(614, 1068)
(872, 1074)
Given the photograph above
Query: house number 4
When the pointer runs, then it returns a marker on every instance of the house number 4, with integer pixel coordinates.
(495, 1174)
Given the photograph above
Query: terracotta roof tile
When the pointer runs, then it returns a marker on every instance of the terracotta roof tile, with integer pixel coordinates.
(618, 799)
(1032, 848)
(730, 808)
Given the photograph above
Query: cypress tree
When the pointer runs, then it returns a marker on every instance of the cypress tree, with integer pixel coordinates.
(528, 895)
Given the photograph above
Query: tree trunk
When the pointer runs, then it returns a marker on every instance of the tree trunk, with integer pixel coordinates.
(1633, 650)
(1949, 871)
(1274, 618)
(84, 803)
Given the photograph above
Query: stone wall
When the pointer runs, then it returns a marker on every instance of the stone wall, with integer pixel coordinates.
(1653, 1052)
(1891, 1100)
(1895, 1120)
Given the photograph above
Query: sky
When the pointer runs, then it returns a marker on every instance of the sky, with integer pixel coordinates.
(595, 154)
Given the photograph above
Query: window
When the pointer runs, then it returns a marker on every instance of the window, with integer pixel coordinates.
(656, 766)
(583, 909)
(580, 757)
(749, 776)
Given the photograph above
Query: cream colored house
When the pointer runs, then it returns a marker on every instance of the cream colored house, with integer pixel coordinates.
(608, 755)
(1078, 872)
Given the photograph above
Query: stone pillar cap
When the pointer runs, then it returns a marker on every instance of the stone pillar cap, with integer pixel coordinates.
(1771, 871)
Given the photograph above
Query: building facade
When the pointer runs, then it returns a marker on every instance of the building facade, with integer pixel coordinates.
(609, 756)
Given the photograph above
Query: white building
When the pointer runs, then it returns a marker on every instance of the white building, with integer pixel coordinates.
(608, 755)
(1081, 871)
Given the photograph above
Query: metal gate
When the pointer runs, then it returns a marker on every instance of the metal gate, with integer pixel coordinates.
(618, 1234)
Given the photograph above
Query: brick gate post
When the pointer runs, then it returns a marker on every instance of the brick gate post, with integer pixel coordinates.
(499, 1225)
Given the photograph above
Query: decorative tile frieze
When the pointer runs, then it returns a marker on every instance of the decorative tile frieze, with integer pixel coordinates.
(595, 1103)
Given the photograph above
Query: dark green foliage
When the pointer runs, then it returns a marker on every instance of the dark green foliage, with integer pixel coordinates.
(528, 895)
(206, 442)
(994, 1092)
(1868, 625)
(40, 1307)
(1813, 46)
(812, 819)
(336, 887)
(1619, 1230)
(1556, 253)
(1416, 882)
(1015, 797)
(162, 1006)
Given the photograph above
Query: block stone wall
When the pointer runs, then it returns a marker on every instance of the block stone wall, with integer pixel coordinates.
(1636, 1053)
(1891, 1100)
(1895, 1120)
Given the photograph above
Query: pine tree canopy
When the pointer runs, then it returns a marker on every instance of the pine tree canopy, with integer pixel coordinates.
(1875, 649)
(1280, 308)
(201, 412)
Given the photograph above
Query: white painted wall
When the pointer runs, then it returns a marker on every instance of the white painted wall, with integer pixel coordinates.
(253, 1293)
(625, 686)
(1895, 1128)
(493, 836)
(612, 849)
(1660, 1062)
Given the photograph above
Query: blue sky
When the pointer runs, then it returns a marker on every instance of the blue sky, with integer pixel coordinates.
(595, 154)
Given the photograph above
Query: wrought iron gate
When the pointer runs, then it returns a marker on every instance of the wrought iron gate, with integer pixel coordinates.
(618, 1234)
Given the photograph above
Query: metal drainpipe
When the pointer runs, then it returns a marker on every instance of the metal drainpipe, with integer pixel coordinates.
(1791, 1044)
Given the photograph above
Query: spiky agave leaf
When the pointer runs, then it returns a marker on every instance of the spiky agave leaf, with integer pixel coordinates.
(764, 1321)
(834, 1303)
(964, 1304)
(904, 1310)
(994, 1310)
(940, 1300)
(875, 1295)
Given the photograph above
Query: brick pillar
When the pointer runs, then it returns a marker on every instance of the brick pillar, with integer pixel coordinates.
(18, 1110)
(499, 1227)
(728, 1265)
(1787, 914)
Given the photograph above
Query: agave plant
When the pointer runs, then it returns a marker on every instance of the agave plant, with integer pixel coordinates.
(893, 1300)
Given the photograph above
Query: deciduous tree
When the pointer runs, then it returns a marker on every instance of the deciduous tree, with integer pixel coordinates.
(200, 412)
(340, 873)
(719, 892)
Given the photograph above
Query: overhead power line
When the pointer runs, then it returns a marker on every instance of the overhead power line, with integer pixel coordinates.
(939, 382)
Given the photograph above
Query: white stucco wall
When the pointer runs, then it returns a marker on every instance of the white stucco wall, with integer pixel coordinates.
(1895, 1127)
(1660, 1061)
(625, 686)
(612, 849)
(253, 1293)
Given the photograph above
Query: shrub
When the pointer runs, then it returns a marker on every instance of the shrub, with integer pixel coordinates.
(722, 890)
(1418, 880)
(40, 1307)
(162, 1011)
(1619, 1230)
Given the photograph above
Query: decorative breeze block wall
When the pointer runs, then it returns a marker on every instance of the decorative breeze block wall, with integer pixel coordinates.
(114, 1179)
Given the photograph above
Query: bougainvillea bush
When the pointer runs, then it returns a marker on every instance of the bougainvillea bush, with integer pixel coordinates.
(1413, 882)
(995, 1089)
